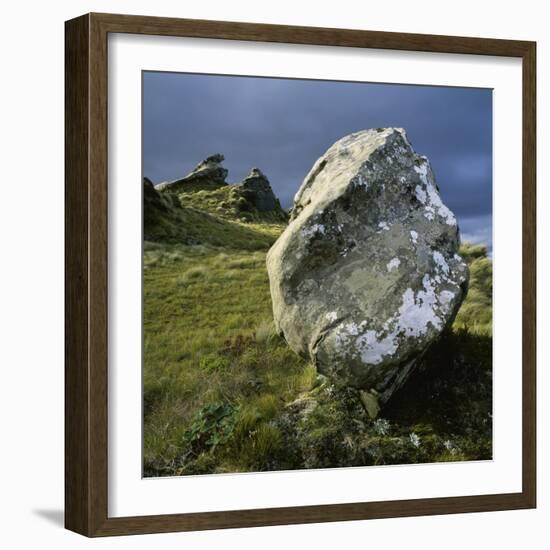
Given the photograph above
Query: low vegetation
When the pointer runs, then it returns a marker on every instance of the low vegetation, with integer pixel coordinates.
(229, 202)
(476, 313)
(215, 373)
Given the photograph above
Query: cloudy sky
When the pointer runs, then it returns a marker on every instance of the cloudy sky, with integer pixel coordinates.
(282, 126)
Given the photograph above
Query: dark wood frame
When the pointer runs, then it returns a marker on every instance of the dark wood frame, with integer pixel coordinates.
(86, 274)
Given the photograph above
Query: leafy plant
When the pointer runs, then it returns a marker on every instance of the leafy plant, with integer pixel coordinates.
(212, 426)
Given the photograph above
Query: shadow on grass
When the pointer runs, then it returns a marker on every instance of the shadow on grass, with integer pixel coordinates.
(451, 390)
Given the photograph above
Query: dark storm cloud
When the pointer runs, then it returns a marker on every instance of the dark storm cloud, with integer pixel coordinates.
(282, 126)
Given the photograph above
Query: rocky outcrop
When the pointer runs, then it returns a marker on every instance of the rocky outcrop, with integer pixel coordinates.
(257, 190)
(205, 188)
(155, 203)
(208, 174)
(366, 276)
(162, 213)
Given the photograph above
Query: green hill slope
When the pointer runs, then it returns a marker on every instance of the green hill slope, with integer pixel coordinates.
(193, 220)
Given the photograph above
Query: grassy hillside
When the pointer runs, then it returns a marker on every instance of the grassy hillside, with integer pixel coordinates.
(171, 220)
(224, 393)
(212, 361)
(230, 202)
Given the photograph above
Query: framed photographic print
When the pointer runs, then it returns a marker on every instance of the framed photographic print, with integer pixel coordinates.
(300, 275)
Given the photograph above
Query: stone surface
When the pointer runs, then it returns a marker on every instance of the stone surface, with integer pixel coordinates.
(209, 173)
(257, 189)
(152, 201)
(162, 213)
(366, 276)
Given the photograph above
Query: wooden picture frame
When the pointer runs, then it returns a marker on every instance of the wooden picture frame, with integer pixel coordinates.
(86, 283)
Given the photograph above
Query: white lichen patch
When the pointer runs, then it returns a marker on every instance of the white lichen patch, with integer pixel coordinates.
(442, 210)
(431, 196)
(344, 333)
(393, 264)
(421, 195)
(373, 349)
(440, 262)
(414, 237)
(353, 329)
(384, 226)
(419, 311)
(429, 215)
(315, 229)
(413, 319)
(422, 171)
(331, 316)
(446, 297)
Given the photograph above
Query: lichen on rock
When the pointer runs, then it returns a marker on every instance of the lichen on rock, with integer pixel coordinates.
(367, 275)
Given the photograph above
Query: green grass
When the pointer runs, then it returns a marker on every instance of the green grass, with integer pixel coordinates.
(209, 338)
(228, 202)
(192, 226)
(476, 313)
(224, 393)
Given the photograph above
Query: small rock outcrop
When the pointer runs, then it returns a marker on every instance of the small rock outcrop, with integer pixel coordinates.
(162, 214)
(154, 202)
(257, 190)
(367, 275)
(208, 174)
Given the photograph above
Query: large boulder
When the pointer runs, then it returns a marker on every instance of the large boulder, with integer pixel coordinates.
(366, 275)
